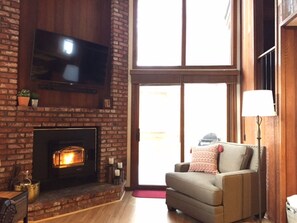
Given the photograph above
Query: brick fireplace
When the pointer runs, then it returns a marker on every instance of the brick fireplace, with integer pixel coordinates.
(18, 123)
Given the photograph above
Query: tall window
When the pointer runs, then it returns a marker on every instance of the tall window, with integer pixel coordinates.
(190, 44)
(200, 35)
(208, 39)
(159, 31)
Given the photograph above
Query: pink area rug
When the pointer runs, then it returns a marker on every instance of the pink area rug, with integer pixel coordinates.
(149, 193)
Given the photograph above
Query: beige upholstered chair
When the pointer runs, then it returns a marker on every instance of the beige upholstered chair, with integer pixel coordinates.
(228, 196)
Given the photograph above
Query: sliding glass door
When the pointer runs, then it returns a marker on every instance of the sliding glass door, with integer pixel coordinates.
(159, 145)
(172, 119)
(205, 115)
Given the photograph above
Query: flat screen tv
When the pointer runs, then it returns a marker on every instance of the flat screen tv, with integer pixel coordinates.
(67, 60)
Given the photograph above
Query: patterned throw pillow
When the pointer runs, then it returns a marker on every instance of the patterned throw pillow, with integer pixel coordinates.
(204, 159)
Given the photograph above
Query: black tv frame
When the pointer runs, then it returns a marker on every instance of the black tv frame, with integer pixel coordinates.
(51, 44)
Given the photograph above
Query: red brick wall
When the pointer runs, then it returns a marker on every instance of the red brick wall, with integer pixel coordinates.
(17, 123)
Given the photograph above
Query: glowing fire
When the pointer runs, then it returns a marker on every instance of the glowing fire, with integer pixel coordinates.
(69, 156)
(67, 159)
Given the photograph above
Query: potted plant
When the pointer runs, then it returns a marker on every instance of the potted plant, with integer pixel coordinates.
(24, 97)
(34, 99)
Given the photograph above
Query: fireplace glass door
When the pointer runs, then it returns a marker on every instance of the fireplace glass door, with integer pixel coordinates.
(68, 157)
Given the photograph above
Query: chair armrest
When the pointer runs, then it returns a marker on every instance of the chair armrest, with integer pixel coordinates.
(219, 179)
(182, 167)
(240, 193)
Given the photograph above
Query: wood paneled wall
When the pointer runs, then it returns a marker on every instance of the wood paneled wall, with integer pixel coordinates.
(83, 19)
(288, 115)
(270, 125)
(248, 64)
(290, 90)
(278, 133)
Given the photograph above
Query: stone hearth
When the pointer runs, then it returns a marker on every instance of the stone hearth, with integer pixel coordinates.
(59, 202)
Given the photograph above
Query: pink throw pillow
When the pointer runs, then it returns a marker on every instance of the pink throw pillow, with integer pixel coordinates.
(204, 159)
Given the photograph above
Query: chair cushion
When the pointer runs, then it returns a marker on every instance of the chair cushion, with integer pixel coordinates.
(247, 158)
(197, 185)
(233, 157)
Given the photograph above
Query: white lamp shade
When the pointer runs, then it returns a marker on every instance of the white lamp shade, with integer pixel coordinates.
(258, 103)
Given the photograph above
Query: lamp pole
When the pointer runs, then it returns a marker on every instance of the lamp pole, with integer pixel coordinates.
(258, 103)
(259, 121)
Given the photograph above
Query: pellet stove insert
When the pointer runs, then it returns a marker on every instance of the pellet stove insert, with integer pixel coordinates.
(65, 157)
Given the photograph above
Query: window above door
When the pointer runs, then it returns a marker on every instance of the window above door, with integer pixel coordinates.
(185, 34)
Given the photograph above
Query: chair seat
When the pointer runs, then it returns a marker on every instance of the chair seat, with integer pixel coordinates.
(197, 185)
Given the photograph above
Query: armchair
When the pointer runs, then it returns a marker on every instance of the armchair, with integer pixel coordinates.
(227, 196)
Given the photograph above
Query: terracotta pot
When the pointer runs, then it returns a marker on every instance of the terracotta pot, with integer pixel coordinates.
(23, 101)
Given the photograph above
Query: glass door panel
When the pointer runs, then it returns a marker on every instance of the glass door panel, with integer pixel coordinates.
(159, 123)
(205, 114)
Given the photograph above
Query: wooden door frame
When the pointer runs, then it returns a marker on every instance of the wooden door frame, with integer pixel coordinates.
(134, 136)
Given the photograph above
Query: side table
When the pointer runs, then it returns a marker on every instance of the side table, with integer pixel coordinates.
(21, 203)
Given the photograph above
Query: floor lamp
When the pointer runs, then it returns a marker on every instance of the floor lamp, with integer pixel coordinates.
(258, 103)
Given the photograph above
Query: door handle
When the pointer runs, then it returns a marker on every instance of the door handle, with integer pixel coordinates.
(138, 135)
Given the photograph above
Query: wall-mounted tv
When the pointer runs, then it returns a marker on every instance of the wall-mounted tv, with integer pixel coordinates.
(59, 59)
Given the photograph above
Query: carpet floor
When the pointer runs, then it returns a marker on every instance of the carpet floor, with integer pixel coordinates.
(149, 193)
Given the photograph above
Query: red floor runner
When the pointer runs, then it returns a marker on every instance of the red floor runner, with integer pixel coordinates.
(149, 193)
